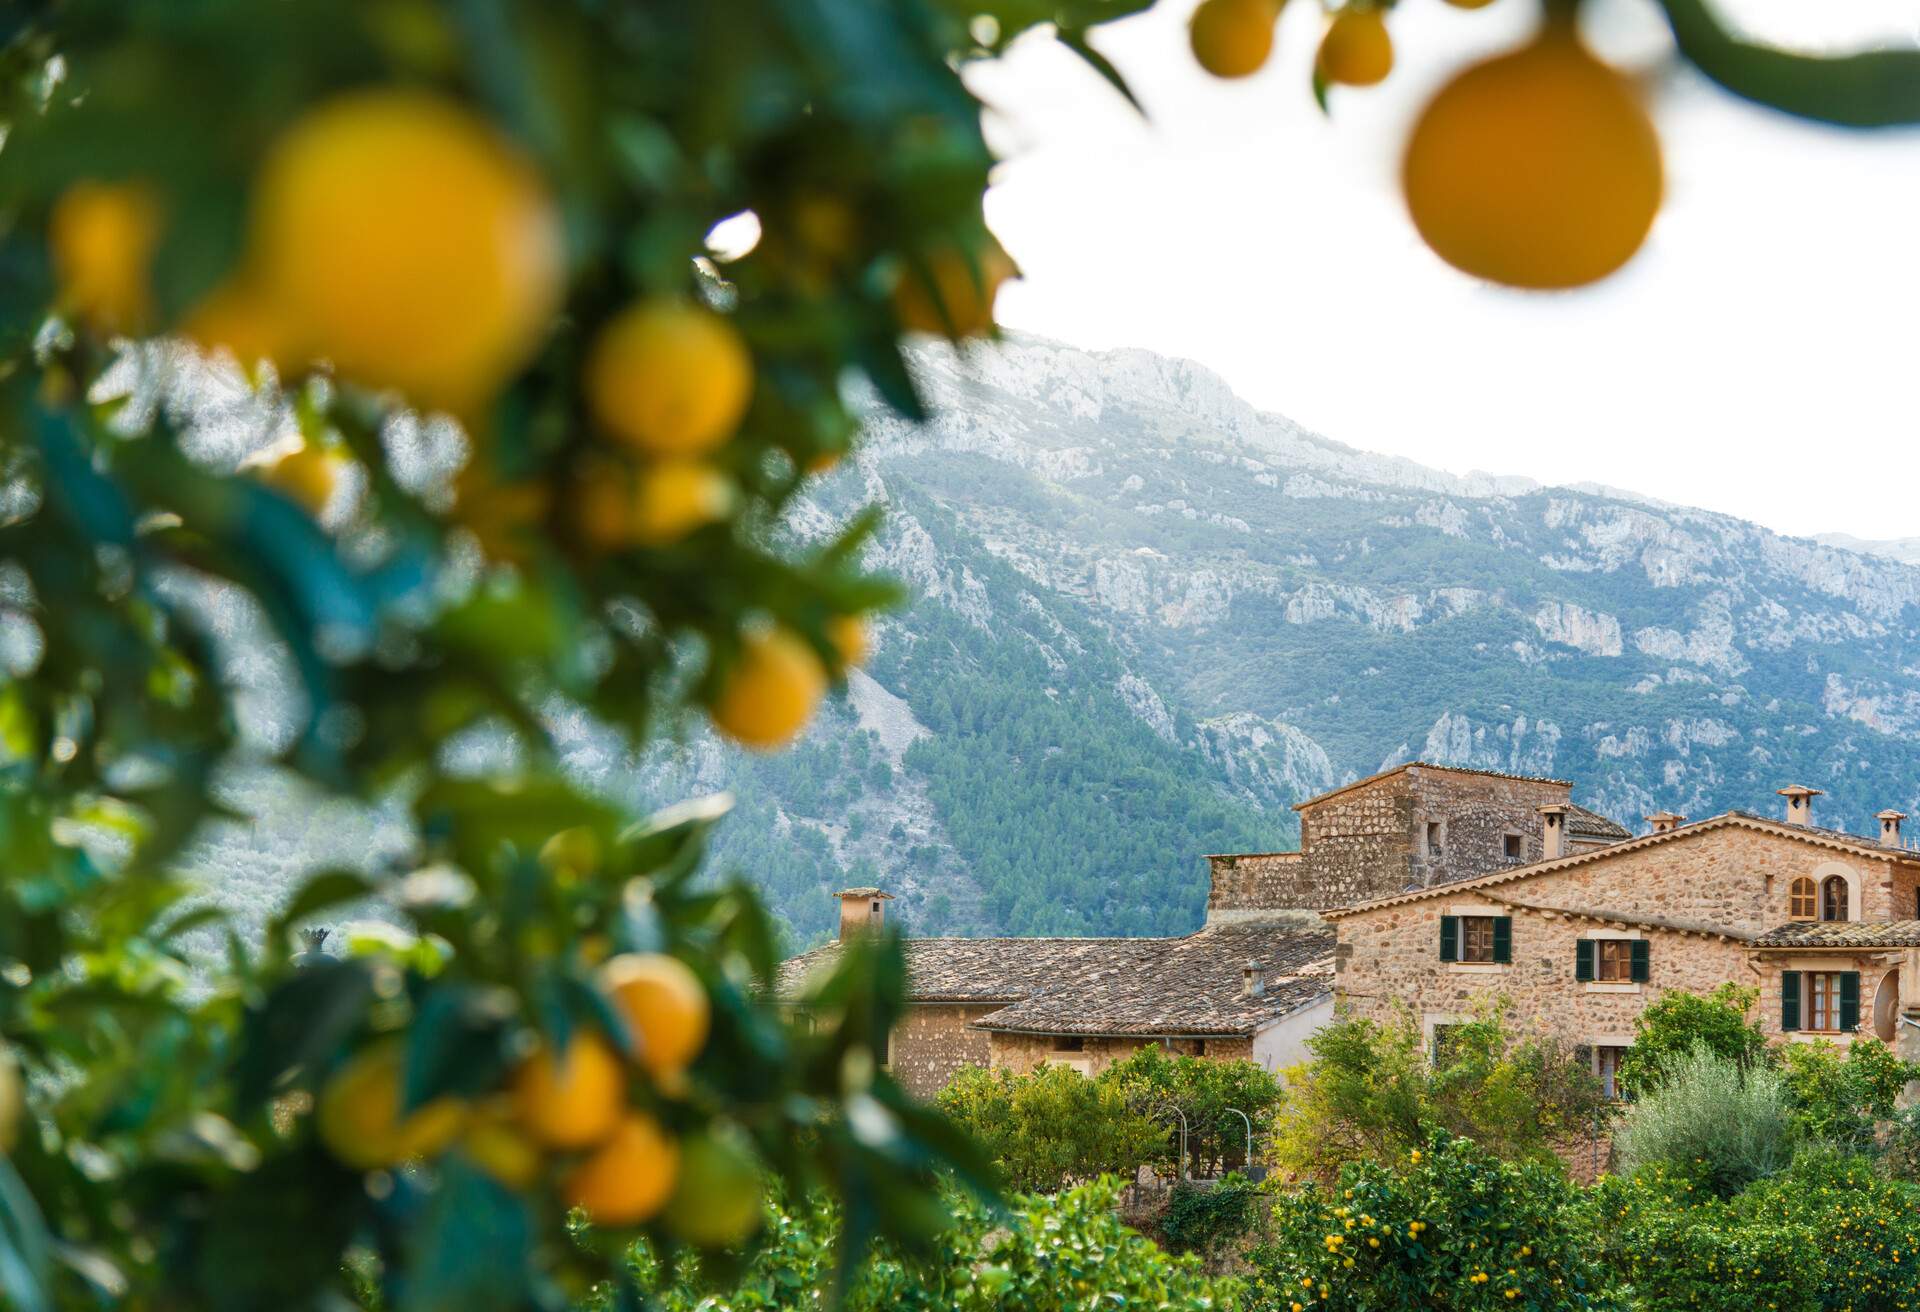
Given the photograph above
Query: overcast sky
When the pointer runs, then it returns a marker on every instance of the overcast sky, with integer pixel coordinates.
(1758, 356)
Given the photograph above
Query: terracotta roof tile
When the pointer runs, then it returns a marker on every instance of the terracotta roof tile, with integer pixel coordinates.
(1591, 824)
(1843, 934)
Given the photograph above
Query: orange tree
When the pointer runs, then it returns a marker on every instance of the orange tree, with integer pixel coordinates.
(496, 211)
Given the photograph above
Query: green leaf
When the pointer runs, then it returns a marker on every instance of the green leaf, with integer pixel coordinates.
(455, 1043)
(471, 1251)
(328, 889)
(300, 1023)
(1872, 89)
(1075, 39)
(23, 1246)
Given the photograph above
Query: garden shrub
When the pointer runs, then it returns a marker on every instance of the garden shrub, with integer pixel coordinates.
(1051, 1127)
(1670, 1028)
(1712, 1120)
(1446, 1228)
(1209, 1093)
(1200, 1218)
(1841, 1095)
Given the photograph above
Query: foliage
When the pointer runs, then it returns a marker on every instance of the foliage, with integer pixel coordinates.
(1667, 1031)
(1052, 1127)
(1373, 1091)
(1445, 1226)
(1841, 1097)
(1713, 1121)
(1048, 1253)
(1208, 1093)
(1202, 1217)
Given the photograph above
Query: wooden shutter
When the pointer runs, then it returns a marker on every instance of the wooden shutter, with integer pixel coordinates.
(1789, 1000)
(1849, 1000)
(1503, 938)
(1583, 953)
(1642, 961)
(1449, 938)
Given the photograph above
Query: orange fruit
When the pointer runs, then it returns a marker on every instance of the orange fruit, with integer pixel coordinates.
(414, 246)
(13, 1099)
(664, 1006)
(574, 1102)
(948, 280)
(629, 1178)
(717, 1202)
(1232, 38)
(102, 236)
(850, 638)
(1538, 168)
(669, 379)
(497, 1146)
(311, 476)
(654, 506)
(236, 317)
(771, 690)
(358, 1113)
(1356, 51)
(508, 519)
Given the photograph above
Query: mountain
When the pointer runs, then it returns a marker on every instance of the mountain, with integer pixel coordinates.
(1906, 550)
(1147, 619)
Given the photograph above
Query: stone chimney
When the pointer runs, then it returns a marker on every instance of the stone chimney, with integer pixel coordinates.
(1665, 822)
(1890, 827)
(1251, 985)
(1553, 830)
(862, 910)
(1799, 804)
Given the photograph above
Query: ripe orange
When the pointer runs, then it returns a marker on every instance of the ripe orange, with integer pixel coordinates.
(573, 1103)
(506, 518)
(101, 237)
(717, 1203)
(1356, 51)
(310, 475)
(497, 1146)
(359, 1116)
(1537, 168)
(850, 638)
(629, 1178)
(963, 287)
(770, 692)
(238, 318)
(412, 244)
(669, 379)
(1232, 38)
(663, 1004)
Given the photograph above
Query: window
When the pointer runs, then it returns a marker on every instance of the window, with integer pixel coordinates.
(1435, 837)
(1445, 1039)
(1801, 903)
(1476, 938)
(1833, 899)
(1824, 1001)
(1070, 1043)
(1513, 849)
(1612, 960)
(1606, 1067)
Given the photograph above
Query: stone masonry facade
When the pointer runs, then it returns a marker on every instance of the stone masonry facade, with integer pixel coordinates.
(933, 1041)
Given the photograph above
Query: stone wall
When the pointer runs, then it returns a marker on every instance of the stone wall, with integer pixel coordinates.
(1254, 882)
(1022, 1053)
(932, 1041)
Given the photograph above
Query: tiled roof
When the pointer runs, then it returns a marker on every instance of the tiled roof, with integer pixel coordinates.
(1429, 765)
(1843, 934)
(1186, 986)
(1591, 824)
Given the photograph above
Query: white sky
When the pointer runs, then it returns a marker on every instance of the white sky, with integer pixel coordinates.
(1757, 357)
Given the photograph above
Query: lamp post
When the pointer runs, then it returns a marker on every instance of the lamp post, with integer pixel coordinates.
(1248, 1162)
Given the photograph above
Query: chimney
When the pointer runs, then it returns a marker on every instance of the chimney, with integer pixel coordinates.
(1553, 830)
(1664, 822)
(1799, 804)
(861, 910)
(1890, 827)
(1251, 985)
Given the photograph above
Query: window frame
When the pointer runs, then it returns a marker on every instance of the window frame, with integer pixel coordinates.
(1803, 898)
(1466, 934)
(1835, 892)
(1513, 847)
(1815, 1001)
(1615, 954)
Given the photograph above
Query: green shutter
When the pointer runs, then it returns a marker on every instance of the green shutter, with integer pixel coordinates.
(1849, 1000)
(1642, 962)
(1789, 1000)
(1503, 938)
(1583, 951)
(1449, 938)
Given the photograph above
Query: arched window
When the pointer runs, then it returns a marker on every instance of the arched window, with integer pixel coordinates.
(1801, 904)
(1833, 898)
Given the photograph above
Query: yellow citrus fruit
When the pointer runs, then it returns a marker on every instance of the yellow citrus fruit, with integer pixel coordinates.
(506, 518)
(1356, 51)
(574, 1102)
(101, 236)
(13, 1099)
(770, 692)
(630, 1177)
(1232, 38)
(717, 1202)
(359, 1116)
(1469, 4)
(675, 497)
(965, 288)
(412, 244)
(663, 1004)
(850, 638)
(238, 318)
(311, 476)
(495, 1144)
(669, 379)
(572, 852)
(1537, 168)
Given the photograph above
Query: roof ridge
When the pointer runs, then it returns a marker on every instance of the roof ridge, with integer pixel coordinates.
(1429, 765)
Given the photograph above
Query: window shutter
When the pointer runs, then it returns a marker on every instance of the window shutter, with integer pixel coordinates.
(1583, 950)
(1642, 961)
(1849, 1000)
(1503, 938)
(1449, 938)
(1789, 1000)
